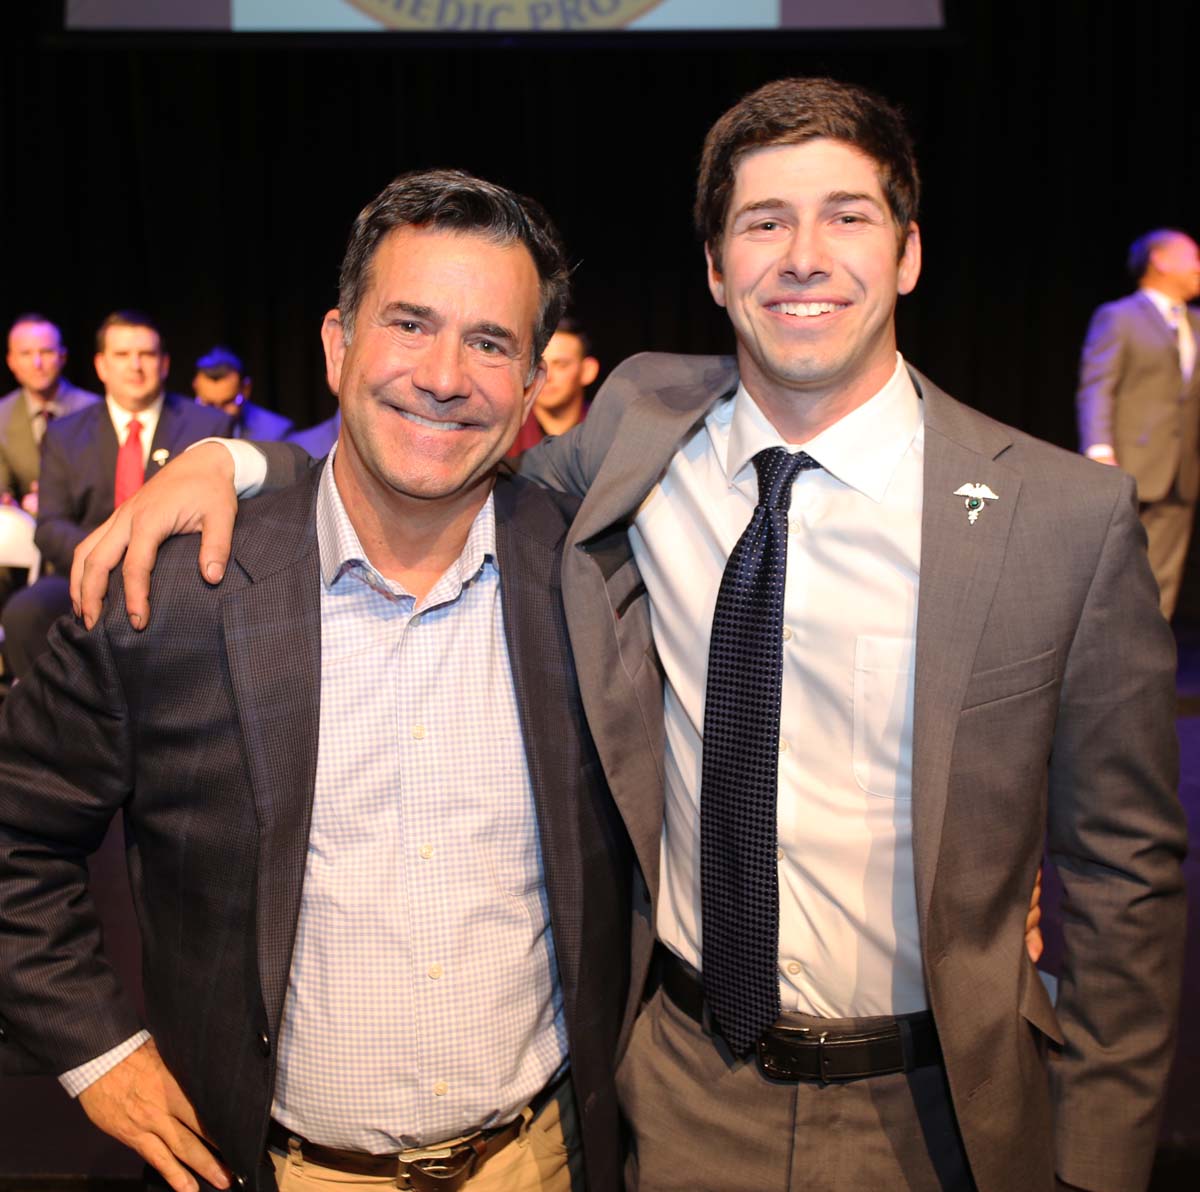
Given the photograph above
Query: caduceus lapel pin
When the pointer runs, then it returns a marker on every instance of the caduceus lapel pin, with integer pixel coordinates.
(974, 496)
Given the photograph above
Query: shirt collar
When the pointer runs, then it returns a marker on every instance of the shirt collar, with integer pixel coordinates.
(1164, 305)
(862, 450)
(121, 417)
(341, 552)
(35, 405)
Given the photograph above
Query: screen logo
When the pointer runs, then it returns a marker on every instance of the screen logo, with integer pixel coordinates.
(460, 16)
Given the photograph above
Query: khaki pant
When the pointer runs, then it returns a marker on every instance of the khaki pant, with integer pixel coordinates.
(546, 1157)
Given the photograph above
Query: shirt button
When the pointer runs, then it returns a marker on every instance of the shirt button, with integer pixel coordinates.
(779, 854)
(783, 745)
(794, 525)
(435, 971)
(787, 634)
(419, 732)
(414, 620)
(793, 967)
(440, 1089)
(426, 851)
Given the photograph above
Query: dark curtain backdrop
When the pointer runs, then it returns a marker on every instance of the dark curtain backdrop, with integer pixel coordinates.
(212, 180)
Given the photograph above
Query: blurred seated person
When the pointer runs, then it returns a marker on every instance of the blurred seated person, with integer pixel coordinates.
(570, 369)
(221, 382)
(317, 440)
(96, 458)
(36, 358)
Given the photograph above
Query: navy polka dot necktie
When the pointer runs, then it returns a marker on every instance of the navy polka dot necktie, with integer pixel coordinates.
(739, 878)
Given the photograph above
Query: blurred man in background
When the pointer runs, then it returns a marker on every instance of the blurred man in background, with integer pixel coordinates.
(221, 381)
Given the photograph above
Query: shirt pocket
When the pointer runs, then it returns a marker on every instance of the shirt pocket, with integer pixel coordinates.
(883, 696)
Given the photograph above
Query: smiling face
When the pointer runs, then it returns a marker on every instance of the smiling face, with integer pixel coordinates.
(36, 357)
(435, 381)
(811, 265)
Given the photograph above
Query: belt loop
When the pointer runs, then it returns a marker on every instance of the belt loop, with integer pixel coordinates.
(295, 1153)
(522, 1139)
(908, 1050)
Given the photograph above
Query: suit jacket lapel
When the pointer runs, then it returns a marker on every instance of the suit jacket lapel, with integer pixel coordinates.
(960, 566)
(544, 678)
(273, 646)
(167, 435)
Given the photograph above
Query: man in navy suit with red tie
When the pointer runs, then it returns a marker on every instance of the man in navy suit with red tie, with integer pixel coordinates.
(95, 459)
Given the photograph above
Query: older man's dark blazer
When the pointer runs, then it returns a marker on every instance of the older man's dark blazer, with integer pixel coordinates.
(79, 467)
(204, 730)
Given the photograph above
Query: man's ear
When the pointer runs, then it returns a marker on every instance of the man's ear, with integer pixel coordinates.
(716, 280)
(589, 371)
(333, 337)
(910, 261)
(533, 388)
(164, 366)
(101, 367)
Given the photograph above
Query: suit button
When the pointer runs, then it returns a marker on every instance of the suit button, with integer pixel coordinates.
(3, 1033)
(240, 1181)
(264, 1044)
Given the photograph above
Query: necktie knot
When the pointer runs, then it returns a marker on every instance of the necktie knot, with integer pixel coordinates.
(776, 470)
(135, 430)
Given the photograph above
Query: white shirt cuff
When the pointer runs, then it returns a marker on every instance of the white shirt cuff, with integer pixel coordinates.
(249, 465)
(79, 1078)
(1095, 451)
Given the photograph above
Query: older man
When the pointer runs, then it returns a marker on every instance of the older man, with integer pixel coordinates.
(383, 889)
(903, 647)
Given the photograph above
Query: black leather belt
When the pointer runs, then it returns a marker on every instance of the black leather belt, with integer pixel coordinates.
(422, 1169)
(791, 1053)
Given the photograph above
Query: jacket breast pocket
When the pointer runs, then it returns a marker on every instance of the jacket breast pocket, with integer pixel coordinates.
(1014, 678)
(883, 700)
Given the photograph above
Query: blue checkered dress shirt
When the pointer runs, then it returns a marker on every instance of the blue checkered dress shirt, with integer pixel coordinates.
(423, 999)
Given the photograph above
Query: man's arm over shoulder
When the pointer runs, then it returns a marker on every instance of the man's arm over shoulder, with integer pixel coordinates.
(570, 462)
(1117, 836)
(1100, 369)
(286, 463)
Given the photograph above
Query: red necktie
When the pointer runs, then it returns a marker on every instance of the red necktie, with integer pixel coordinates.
(131, 472)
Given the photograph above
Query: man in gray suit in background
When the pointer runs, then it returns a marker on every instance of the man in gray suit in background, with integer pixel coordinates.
(1139, 395)
(36, 358)
(969, 661)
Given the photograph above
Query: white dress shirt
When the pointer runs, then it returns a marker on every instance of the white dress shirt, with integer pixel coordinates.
(121, 418)
(849, 942)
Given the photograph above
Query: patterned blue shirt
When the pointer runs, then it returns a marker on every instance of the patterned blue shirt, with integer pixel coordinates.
(423, 1000)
